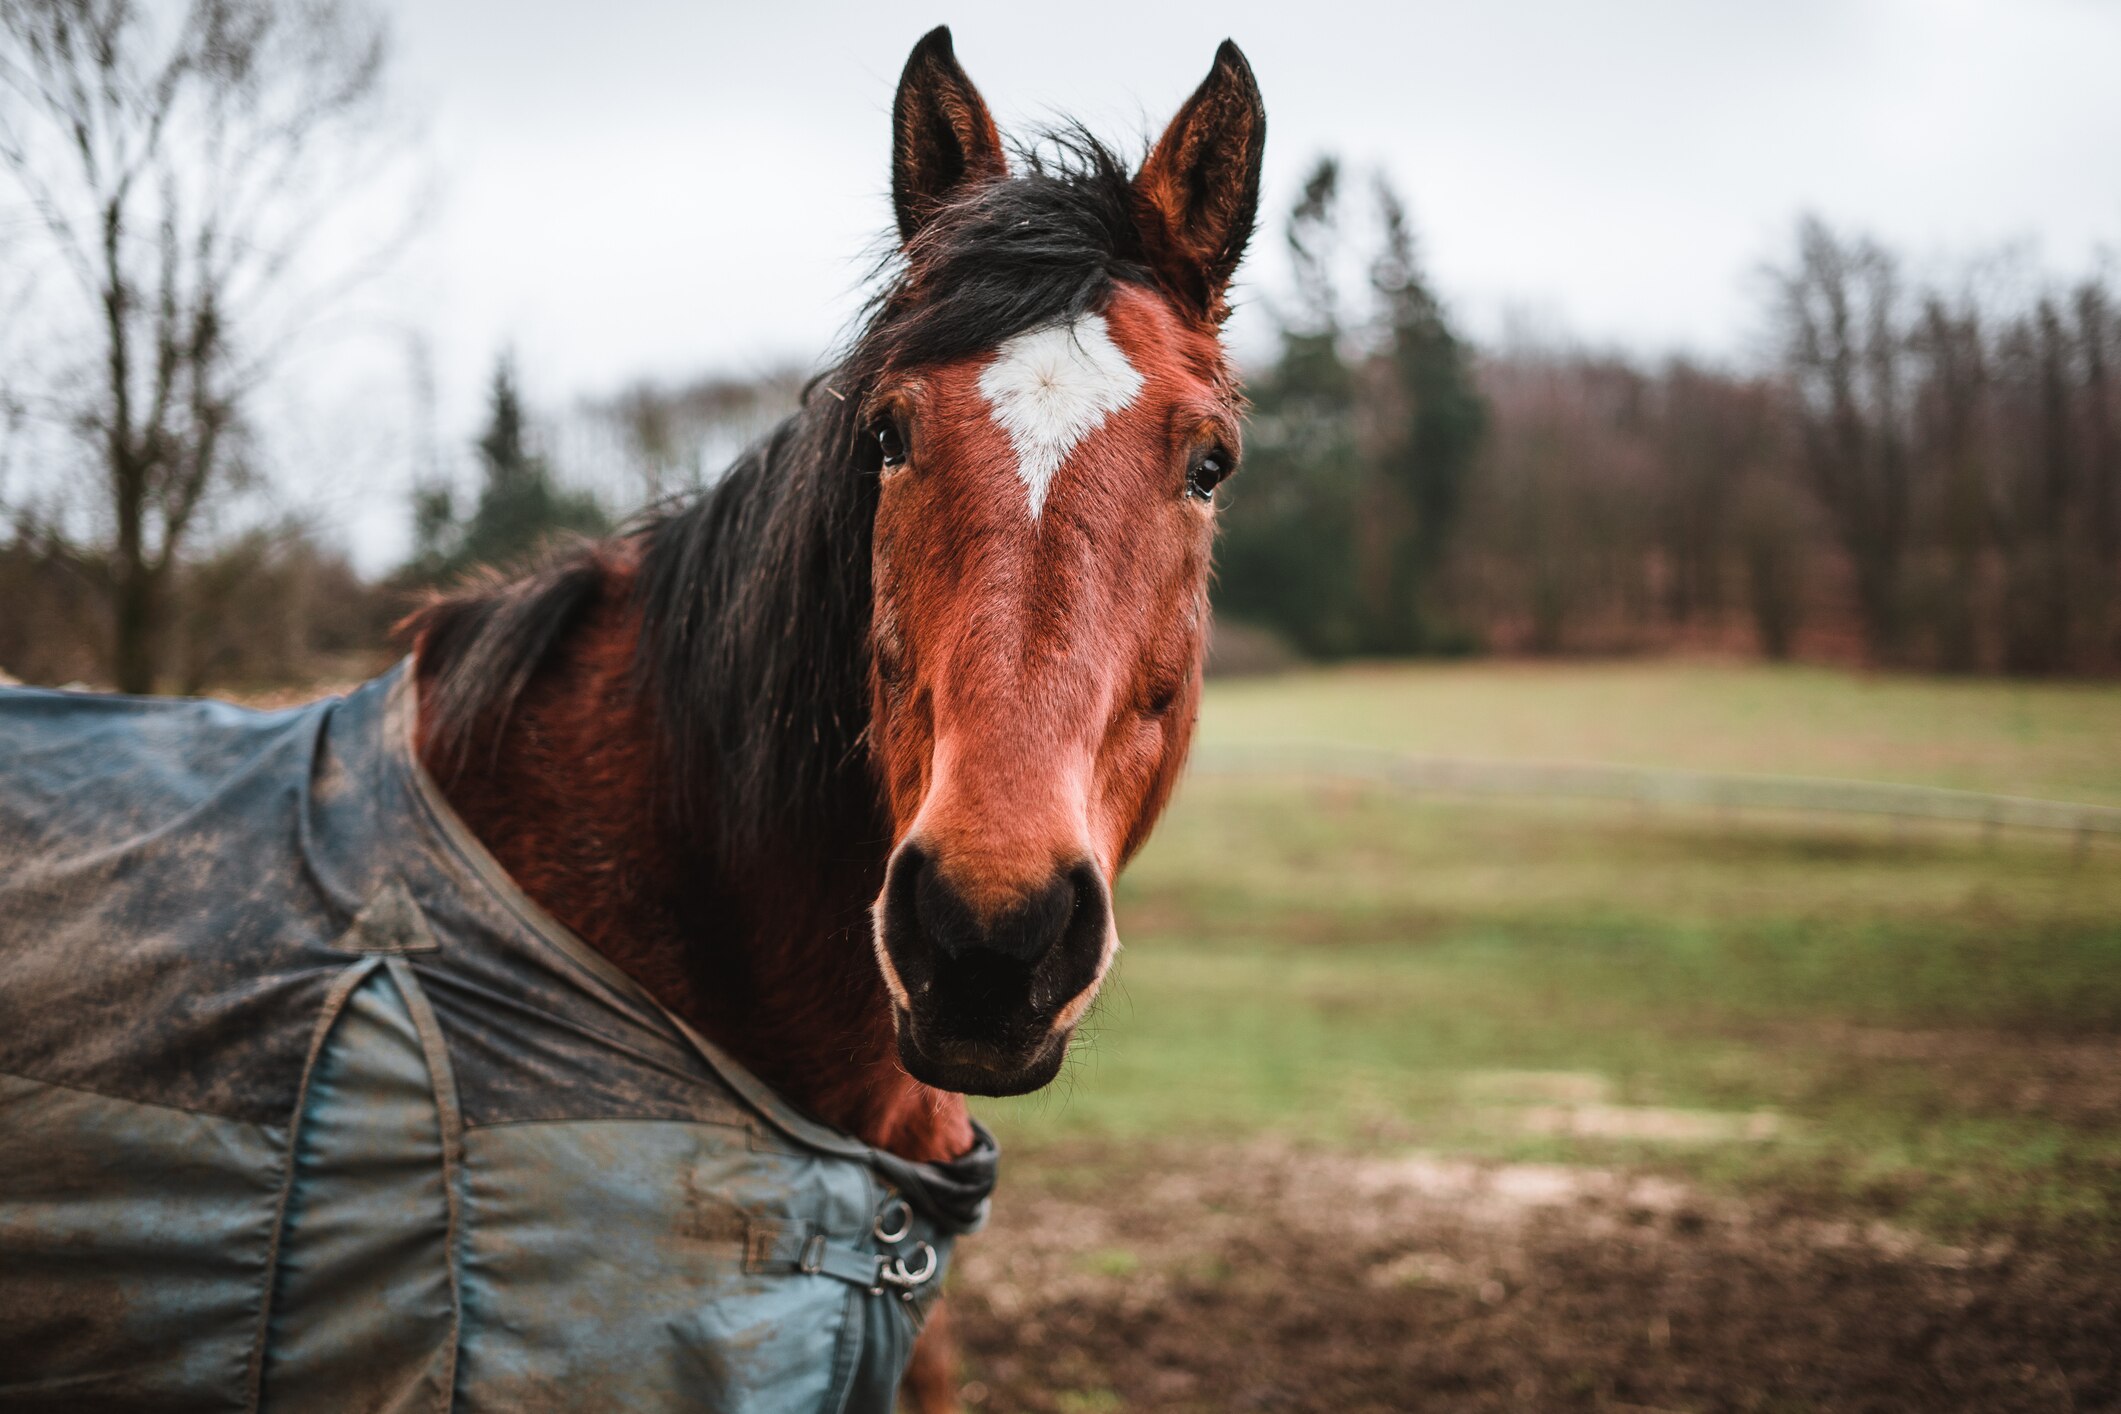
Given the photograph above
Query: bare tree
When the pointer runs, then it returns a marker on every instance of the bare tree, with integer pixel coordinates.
(1954, 390)
(181, 162)
(2099, 337)
(1843, 344)
(1711, 433)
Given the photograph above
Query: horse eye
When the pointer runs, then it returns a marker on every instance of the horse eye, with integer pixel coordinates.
(890, 443)
(1207, 472)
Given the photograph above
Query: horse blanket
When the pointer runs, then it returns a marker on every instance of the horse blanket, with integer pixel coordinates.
(304, 1105)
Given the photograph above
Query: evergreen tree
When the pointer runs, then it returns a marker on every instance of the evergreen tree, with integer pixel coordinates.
(521, 505)
(1358, 451)
(1430, 432)
(1284, 561)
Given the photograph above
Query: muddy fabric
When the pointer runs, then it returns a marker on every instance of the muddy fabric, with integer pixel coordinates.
(304, 1105)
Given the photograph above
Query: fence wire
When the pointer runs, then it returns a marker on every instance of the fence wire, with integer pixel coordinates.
(1647, 786)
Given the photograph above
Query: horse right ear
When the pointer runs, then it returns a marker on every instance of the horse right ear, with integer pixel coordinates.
(1198, 193)
(943, 139)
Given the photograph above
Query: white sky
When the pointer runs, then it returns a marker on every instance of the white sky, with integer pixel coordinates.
(645, 187)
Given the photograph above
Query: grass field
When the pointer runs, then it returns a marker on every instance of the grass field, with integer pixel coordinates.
(1915, 1025)
(2060, 740)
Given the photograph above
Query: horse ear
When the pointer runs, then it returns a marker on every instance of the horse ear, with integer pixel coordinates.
(942, 136)
(1198, 193)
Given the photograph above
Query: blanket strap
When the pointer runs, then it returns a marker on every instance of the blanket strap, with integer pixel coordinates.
(788, 1248)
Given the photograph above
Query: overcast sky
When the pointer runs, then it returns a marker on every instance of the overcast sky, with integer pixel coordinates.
(636, 187)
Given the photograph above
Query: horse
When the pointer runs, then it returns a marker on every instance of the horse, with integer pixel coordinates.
(837, 762)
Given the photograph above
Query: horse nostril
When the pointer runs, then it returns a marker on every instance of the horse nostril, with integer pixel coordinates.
(940, 913)
(1028, 931)
(1069, 902)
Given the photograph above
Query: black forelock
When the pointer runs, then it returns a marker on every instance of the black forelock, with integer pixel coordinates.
(1040, 247)
(755, 597)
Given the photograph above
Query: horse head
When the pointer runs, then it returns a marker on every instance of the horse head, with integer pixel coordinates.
(1044, 516)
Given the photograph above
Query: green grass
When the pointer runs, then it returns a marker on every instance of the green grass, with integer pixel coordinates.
(2048, 739)
(1922, 1025)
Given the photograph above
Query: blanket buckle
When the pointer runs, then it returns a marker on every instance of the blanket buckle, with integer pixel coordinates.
(813, 1258)
(908, 1279)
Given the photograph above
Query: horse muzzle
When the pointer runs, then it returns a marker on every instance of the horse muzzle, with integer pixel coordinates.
(986, 997)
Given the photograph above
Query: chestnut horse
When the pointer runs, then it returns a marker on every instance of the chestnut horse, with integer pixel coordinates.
(840, 760)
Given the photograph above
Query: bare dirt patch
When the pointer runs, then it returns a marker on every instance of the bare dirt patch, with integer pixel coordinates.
(1267, 1278)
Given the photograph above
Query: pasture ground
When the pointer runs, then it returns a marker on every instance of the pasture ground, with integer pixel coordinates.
(1422, 1104)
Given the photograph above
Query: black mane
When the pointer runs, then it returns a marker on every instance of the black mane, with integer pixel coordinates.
(755, 596)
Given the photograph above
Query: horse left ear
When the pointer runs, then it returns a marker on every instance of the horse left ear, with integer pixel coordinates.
(1198, 194)
(942, 136)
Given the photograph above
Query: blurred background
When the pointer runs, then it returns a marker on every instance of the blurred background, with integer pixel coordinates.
(1642, 929)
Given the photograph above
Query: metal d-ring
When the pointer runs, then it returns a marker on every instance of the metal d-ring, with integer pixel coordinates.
(898, 1231)
(903, 1277)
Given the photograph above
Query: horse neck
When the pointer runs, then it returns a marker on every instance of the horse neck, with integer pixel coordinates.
(768, 957)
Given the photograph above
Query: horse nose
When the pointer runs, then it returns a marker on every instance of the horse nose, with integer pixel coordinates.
(1069, 902)
(989, 975)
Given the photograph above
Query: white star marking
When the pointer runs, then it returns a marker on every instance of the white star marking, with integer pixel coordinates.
(1052, 387)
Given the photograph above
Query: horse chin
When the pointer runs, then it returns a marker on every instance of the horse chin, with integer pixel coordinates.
(975, 1068)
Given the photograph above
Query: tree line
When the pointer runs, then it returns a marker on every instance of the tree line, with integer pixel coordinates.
(1923, 475)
